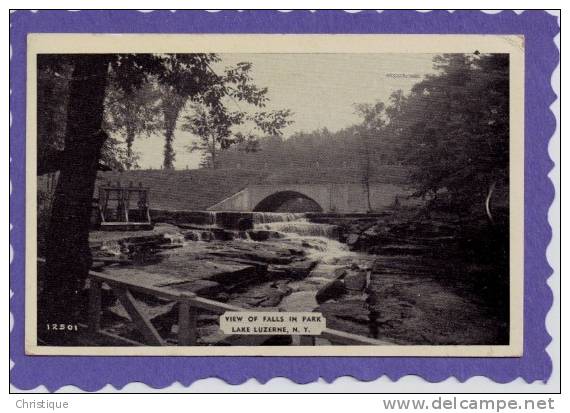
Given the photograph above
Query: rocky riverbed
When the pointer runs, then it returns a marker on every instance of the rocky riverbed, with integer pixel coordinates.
(382, 276)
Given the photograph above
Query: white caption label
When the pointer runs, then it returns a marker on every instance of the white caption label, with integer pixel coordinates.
(272, 323)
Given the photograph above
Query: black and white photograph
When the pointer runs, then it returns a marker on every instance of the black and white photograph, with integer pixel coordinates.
(273, 200)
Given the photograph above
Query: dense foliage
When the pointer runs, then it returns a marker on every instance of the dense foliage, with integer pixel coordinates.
(217, 127)
(453, 129)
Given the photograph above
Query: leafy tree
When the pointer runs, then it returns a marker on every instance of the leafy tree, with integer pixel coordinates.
(172, 104)
(214, 123)
(330, 150)
(454, 128)
(68, 256)
(372, 127)
(213, 127)
(183, 77)
(116, 156)
(129, 114)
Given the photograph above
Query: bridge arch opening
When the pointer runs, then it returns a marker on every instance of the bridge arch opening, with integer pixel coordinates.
(288, 201)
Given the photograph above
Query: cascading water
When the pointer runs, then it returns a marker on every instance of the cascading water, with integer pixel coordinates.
(301, 226)
(269, 217)
(320, 242)
(293, 223)
(211, 217)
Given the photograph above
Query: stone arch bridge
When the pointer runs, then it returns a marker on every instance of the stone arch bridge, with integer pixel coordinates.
(329, 197)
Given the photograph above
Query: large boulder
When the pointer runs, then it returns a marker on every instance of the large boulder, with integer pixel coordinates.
(331, 291)
(355, 281)
(192, 235)
(263, 235)
(296, 269)
(340, 273)
(352, 240)
(265, 295)
(372, 231)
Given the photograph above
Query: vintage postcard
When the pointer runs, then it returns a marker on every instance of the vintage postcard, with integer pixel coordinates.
(278, 194)
(275, 195)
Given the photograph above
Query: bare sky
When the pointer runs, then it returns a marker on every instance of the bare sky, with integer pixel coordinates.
(319, 88)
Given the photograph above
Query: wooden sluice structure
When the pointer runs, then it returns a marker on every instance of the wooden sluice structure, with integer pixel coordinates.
(124, 208)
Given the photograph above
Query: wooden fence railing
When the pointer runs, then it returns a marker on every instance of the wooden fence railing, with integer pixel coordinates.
(189, 306)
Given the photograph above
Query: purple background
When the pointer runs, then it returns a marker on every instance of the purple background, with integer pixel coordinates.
(92, 373)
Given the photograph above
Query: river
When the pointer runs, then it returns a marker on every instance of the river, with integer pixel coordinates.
(316, 245)
(406, 291)
(319, 241)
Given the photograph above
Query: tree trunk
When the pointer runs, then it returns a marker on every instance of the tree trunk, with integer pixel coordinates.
(172, 105)
(168, 149)
(213, 152)
(68, 257)
(366, 175)
(367, 179)
(130, 139)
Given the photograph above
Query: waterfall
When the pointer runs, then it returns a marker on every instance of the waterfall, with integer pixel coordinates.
(301, 227)
(174, 238)
(211, 217)
(289, 223)
(269, 217)
(316, 248)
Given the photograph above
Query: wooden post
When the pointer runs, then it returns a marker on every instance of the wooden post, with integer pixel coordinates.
(143, 324)
(187, 324)
(105, 206)
(94, 308)
(127, 198)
